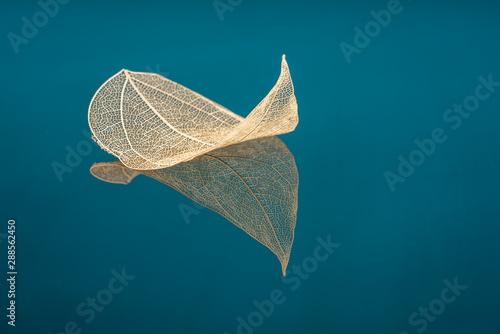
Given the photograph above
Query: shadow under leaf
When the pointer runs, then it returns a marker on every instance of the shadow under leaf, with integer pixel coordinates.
(253, 184)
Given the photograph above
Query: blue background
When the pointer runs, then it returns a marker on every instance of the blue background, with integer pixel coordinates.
(356, 118)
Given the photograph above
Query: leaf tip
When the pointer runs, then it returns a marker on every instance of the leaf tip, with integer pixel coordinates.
(284, 264)
(283, 60)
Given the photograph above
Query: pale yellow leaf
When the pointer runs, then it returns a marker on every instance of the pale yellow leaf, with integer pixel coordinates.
(150, 122)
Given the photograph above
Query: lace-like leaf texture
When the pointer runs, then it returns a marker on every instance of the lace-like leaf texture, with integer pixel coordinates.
(252, 184)
(225, 162)
(150, 122)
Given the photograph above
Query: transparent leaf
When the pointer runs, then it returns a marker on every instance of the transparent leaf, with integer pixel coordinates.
(150, 122)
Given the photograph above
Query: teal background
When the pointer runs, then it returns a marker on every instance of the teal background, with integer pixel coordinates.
(396, 248)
